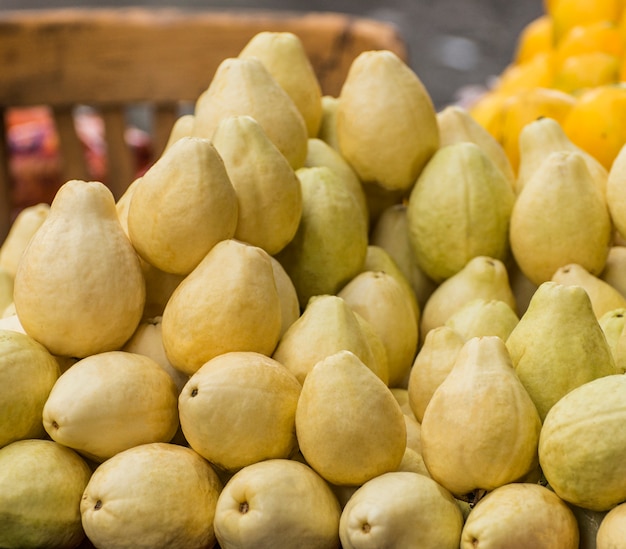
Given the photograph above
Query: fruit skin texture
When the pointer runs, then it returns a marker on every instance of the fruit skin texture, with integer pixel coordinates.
(515, 111)
(459, 209)
(433, 363)
(483, 277)
(543, 136)
(386, 122)
(266, 186)
(619, 351)
(480, 429)
(518, 516)
(320, 153)
(210, 313)
(147, 341)
(159, 288)
(79, 288)
(22, 229)
(277, 503)
(612, 324)
(603, 296)
(240, 408)
(284, 56)
(614, 272)
(289, 304)
(327, 325)
(612, 531)
(556, 201)
(456, 124)
(42, 484)
(379, 299)
(391, 235)
(182, 127)
(381, 362)
(338, 435)
(154, 496)
(582, 442)
(558, 344)
(330, 245)
(27, 374)
(244, 86)
(482, 317)
(615, 195)
(6, 291)
(328, 125)
(109, 402)
(401, 509)
(182, 206)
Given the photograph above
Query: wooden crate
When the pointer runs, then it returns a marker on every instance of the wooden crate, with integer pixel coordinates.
(112, 58)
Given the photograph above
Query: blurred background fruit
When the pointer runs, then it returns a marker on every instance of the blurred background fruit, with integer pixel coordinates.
(570, 60)
(597, 122)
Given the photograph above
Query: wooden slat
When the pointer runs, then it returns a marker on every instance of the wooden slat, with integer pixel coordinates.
(72, 152)
(73, 56)
(120, 163)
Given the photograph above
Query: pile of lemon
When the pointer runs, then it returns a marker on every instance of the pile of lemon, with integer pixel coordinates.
(570, 65)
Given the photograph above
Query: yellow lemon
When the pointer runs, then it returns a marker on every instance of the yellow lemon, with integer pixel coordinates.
(534, 73)
(587, 70)
(567, 14)
(603, 36)
(487, 109)
(526, 106)
(622, 69)
(597, 122)
(535, 38)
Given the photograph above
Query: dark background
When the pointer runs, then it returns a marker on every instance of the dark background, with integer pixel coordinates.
(453, 44)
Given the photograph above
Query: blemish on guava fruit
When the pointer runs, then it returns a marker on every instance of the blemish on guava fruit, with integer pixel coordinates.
(98, 505)
(365, 528)
(194, 391)
(244, 507)
(55, 425)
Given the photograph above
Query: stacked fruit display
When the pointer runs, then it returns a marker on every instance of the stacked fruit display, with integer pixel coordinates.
(570, 65)
(320, 322)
